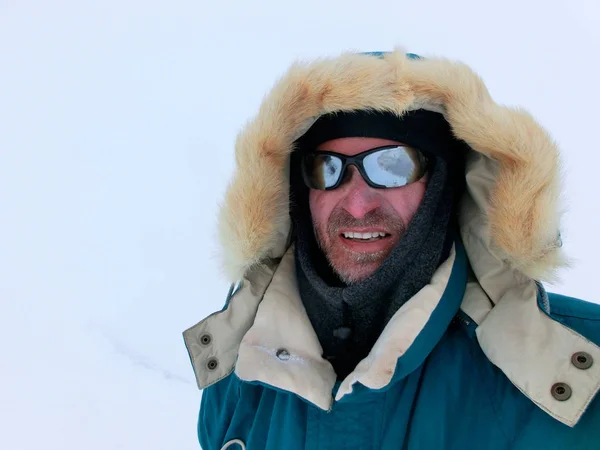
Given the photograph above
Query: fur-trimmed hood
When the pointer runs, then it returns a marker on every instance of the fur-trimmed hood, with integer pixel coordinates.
(509, 228)
(515, 187)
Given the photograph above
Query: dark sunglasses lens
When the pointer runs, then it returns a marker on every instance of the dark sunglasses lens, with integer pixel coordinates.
(321, 171)
(393, 167)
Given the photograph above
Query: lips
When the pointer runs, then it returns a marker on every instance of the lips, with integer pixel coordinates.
(365, 241)
(364, 236)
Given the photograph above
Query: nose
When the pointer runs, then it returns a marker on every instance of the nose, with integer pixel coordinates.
(360, 198)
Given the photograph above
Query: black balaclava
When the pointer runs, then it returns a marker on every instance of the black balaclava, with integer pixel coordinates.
(348, 319)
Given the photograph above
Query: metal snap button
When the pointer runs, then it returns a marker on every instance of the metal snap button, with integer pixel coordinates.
(283, 354)
(205, 339)
(582, 360)
(212, 364)
(561, 391)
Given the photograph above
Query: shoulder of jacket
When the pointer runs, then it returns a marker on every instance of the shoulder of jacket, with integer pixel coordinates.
(562, 305)
(581, 316)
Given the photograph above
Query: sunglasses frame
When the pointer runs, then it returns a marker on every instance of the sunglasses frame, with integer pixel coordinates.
(357, 161)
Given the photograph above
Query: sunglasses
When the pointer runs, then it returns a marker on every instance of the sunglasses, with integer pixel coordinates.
(382, 167)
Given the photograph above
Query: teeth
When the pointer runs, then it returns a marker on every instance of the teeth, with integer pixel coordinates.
(353, 235)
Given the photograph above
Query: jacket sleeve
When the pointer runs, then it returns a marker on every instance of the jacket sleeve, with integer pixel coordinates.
(217, 407)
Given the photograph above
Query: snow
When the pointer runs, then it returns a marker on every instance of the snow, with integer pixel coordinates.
(117, 120)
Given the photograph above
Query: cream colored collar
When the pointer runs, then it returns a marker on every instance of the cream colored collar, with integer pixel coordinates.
(272, 342)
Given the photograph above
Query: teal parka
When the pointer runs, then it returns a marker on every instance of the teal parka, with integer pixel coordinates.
(480, 358)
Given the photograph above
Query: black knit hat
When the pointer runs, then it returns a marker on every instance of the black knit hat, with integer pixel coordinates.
(424, 130)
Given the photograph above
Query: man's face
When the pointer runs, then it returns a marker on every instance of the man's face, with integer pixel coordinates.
(355, 207)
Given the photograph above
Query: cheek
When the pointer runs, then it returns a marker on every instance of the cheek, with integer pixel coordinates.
(321, 205)
(406, 205)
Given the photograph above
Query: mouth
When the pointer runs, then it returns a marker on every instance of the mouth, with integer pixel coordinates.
(366, 241)
(369, 236)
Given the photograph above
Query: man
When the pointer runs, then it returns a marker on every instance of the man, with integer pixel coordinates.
(389, 225)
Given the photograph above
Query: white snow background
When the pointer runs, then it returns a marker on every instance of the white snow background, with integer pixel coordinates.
(117, 123)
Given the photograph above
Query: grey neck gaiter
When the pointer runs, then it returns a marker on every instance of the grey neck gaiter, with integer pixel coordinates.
(348, 319)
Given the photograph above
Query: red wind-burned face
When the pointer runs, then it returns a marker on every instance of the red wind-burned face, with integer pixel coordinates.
(357, 226)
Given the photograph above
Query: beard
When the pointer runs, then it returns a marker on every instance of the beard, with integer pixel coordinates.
(349, 265)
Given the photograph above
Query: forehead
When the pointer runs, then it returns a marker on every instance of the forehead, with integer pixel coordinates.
(354, 145)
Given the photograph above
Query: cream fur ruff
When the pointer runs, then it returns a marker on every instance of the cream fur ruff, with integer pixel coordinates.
(523, 219)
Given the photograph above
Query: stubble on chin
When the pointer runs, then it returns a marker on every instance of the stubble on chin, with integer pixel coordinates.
(351, 266)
